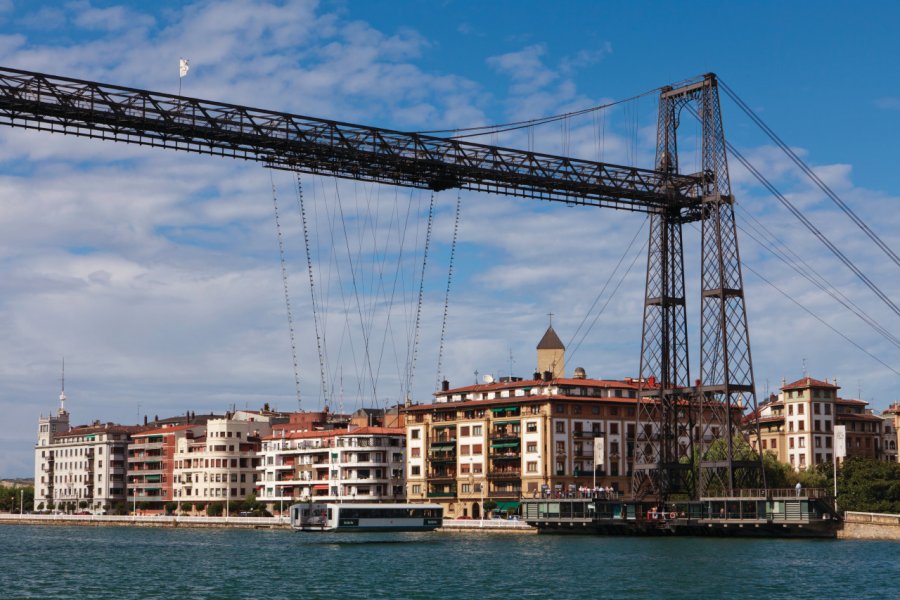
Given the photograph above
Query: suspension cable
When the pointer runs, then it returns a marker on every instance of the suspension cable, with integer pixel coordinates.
(415, 345)
(312, 289)
(810, 173)
(447, 294)
(287, 298)
(806, 222)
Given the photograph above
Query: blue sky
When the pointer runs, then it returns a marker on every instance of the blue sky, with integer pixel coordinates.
(157, 274)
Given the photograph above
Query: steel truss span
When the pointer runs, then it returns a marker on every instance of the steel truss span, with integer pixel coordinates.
(319, 146)
(683, 436)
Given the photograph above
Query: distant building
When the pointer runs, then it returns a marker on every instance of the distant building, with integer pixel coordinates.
(797, 426)
(355, 464)
(891, 432)
(79, 467)
(500, 441)
(220, 464)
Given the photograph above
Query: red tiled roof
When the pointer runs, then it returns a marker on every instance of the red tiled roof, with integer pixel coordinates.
(89, 429)
(296, 435)
(809, 382)
(165, 430)
(514, 400)
(850, 401)
(491, 387)
(856, 417)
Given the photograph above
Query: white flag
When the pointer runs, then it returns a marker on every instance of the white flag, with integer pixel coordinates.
(183, 66)
(840, 441)
(599, 455)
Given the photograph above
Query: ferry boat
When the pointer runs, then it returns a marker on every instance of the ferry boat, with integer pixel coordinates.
(748, 513)
(334, 516)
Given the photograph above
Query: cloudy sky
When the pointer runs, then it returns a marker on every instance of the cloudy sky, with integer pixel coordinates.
(157, 274)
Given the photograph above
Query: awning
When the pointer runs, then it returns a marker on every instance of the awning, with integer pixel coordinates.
(507, 506)
(444, 426)
(516, 422)
(504, 409)
(505, 445)
(320, 486)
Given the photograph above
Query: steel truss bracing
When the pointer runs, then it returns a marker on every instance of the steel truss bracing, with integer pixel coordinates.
(685, 434)
(680, 430)
(318, 146)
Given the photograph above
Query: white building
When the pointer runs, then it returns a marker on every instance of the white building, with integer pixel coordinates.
(363, 464)
(220, 466)
(81, 467)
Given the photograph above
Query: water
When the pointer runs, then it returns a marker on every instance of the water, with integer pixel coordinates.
(125, 562)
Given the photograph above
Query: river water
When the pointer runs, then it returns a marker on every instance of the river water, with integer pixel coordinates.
(127, 562)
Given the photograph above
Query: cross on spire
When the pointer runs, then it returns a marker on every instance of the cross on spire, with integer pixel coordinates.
(550, 314)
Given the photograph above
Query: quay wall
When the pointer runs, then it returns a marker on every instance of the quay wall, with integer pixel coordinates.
(870, 526)
(452, 526)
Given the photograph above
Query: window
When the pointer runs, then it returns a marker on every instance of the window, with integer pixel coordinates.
(613, 429)
(595, 410)
(531, 466)
(817, 407)
(791, 443)
(560, 447)
(827, 409)
(464, 431)
(828, 443)
(417, 489)
(531, 426)
(818, 441)
(414, 434)
(535, 409)
(790, 410)
(476, 430)
(415, 470)
(560, 408)
(774, 444)
(802, 460)
(415, 452)
(477, 468)
(560, 427)
(801, 425)
(531, 447)
(464, 449)
(464, 468)
(576, 409)
(801, 409)
(790, 426)
(614, 448)
(801, 442)
(476, 449)
(466, 488)
(817, 425)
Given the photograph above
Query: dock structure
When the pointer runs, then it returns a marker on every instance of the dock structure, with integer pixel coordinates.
(763, 513)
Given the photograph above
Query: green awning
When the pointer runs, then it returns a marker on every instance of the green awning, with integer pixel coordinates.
(444, 426)
(505, 445)
(507, 506)
(516, 422)
(504, 409)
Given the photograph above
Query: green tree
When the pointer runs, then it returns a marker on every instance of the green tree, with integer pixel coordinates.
(215, 509)
(868, 485)
(171, 507)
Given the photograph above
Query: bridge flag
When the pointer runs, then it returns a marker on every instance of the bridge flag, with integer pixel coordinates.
(183, 66)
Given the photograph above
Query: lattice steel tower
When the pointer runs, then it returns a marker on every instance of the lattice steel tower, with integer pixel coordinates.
(684, 437)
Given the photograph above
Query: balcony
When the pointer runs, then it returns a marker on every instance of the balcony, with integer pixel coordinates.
(442, 457)
(443, 441)
(442, 476)
(508, 493)
(506, 474)
(586, 435)
(508, 436)
(441, 494)
(506, 455)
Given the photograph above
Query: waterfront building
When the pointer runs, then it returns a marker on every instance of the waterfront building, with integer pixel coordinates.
(891, 432)
(499, 441)
(797, 425)
(79, 467)
(151, 466)
(355, 464)
(220, 464)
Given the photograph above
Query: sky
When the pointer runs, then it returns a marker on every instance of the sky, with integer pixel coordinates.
(157, 276)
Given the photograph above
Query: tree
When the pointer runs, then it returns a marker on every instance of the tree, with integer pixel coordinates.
(215, 509)
(171, 507)
(868, 485)
(83, 504)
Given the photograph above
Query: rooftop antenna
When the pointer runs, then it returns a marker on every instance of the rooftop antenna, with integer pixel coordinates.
(805, 374)
(511, 361)
(476, 376)
(62, 393)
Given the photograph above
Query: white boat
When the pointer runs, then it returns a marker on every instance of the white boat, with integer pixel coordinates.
(333, 516)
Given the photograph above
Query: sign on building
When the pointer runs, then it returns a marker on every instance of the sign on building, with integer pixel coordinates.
(599, 452)
(840, 441)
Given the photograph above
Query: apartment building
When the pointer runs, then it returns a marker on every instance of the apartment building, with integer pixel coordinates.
(797, 425)
(354, 464)
(220, 463)
(890, 436)
(79, 468)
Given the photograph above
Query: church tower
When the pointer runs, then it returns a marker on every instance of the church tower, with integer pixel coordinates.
(551, 355)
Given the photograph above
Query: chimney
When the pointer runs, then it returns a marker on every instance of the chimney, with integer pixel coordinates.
(537, 376)
(145, 419)
(548, 375)
(445, 386)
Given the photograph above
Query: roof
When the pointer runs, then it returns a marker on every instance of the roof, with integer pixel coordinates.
(297, 435)
(632, 384)
(850, 401)
(809, 382)
(91, 429)
(550, 341)
(165, 430)
(515, 400)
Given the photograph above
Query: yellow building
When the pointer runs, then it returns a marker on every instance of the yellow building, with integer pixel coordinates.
(500, 441)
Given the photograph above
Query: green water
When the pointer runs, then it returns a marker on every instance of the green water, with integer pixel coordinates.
(124, 562)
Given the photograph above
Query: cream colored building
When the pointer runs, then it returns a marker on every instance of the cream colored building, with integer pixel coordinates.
(356, 464)
(79, 468)
(220, 465)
